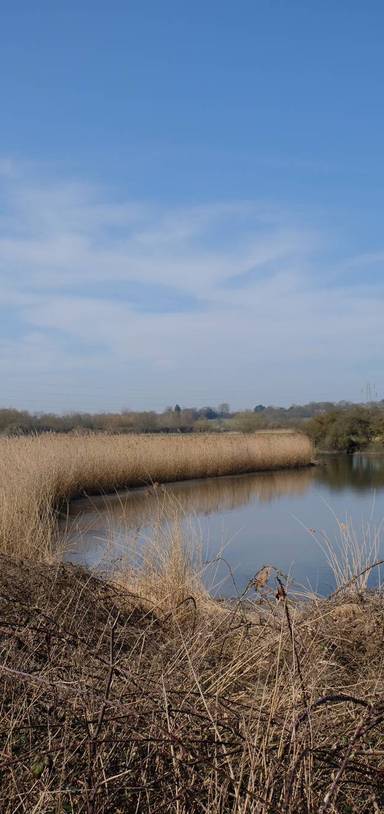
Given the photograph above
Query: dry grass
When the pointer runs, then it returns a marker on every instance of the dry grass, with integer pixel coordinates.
(179, 704)
(351, 552)
(36, 474)
(151, 697)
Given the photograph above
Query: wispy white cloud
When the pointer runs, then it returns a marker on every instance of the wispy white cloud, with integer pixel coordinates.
(250, 320)
(65, 234)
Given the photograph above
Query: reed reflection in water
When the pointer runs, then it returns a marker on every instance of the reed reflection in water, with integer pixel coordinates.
(104, 518)
(257, 518)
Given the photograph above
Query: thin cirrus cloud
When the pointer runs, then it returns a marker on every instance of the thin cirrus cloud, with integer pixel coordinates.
(105, 303)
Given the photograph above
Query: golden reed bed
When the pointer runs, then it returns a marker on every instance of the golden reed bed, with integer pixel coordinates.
(36, 474)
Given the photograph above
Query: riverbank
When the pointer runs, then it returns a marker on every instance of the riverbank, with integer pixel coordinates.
(164, 700)
(39, 474)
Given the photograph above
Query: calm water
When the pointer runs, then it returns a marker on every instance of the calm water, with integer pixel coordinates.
(249, 519)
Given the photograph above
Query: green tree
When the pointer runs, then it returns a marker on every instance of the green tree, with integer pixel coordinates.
(343, 430)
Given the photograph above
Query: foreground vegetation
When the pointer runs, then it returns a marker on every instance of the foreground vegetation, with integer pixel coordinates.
(38, 474)
(153, 697)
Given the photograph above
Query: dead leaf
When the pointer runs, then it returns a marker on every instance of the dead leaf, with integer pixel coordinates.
(281, 592)
(261, 577)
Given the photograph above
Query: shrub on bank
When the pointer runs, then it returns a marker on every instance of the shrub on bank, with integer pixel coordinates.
(346, 430)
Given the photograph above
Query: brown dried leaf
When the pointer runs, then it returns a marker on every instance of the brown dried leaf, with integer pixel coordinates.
(261, 577)
(281, 592)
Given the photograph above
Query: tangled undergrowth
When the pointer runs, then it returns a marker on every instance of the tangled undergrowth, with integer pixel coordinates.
(110, 703)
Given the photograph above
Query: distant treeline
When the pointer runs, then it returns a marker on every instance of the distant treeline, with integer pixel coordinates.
(343, 426)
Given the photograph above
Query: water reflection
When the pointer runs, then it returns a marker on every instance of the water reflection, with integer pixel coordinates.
(360, 473)
(257, 518)
(93, 520)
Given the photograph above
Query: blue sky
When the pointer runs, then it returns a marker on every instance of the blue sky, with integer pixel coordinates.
(191, 202)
